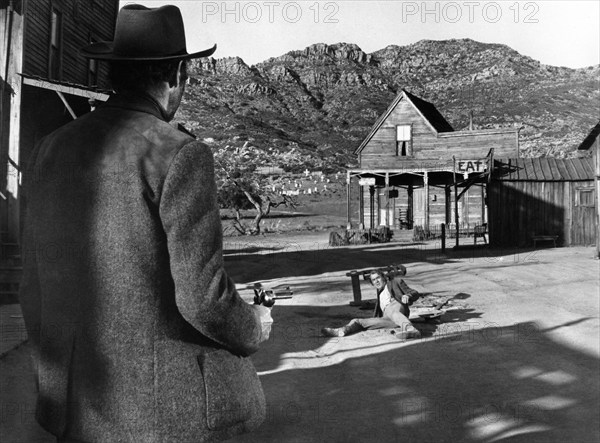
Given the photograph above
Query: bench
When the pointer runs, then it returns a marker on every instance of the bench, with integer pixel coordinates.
(10, 278)
(537, 238)
(390, 270)
(480, 231)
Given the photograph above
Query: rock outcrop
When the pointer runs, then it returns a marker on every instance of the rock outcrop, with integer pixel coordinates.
(330, 95)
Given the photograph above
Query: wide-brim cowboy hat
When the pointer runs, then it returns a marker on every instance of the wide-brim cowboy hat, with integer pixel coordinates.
(146, 34)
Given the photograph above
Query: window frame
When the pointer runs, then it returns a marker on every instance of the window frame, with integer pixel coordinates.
(404, 147)
(55, 36)
(92, 64)
(578, 199)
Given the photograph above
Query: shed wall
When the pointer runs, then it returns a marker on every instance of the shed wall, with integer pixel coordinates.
(520, 209)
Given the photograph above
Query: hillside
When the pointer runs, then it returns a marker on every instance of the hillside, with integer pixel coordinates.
(320, 102)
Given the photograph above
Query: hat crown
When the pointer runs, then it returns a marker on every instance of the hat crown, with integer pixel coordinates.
(149, 32)
(146, 34)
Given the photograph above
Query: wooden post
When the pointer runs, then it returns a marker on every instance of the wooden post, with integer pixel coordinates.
(372, 202)
(409, 209)
(443, 238)
(455, 198)
(361, 204)
(349, 221)
(483, 218)
(426, 204)
(387, 199)
(447, 208)
(354, 276)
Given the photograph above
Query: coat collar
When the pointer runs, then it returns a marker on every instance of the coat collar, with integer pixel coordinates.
(134, 102)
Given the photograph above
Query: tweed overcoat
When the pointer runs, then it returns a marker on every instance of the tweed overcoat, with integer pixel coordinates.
(137, 332)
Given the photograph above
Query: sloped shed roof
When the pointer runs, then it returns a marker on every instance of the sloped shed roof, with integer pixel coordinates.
(543, 169)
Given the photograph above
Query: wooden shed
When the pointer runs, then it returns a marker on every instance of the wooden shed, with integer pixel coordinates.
(530, 197)
(45, 83)
(416, 170)
(592, 143)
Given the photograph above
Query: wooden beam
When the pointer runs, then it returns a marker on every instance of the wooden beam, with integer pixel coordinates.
(67, 89)
(64, 100)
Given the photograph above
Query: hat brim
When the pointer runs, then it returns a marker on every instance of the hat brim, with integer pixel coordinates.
(105, 51)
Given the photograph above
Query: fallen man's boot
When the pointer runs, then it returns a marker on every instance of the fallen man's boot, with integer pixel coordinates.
(350, 328)
(410, 332)
(333, 332)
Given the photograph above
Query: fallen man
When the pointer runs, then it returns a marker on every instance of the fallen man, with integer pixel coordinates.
(392, 310)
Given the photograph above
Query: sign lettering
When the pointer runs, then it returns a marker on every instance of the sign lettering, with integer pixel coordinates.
(468, 166)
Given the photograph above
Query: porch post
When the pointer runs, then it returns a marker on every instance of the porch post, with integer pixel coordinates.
(348, 199)
(387, 199)
(372, 201)
(426, 202)
(448, 196)
(361, 204)
(455, 199)
(409, 211)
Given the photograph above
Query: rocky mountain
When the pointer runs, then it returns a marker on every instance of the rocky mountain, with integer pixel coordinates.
(322, 101)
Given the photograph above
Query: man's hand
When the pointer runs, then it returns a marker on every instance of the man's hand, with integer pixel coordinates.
(405, 299)
(266, 321)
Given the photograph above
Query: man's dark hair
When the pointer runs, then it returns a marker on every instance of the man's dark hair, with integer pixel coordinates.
(380, 273)
(133, 76)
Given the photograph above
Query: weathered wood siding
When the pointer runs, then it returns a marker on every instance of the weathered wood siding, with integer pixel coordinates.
(11, 60)
(427, 144)
(81, 19)
(520, 209)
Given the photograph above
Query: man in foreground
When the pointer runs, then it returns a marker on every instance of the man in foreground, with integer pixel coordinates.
(138, 334)
(391, 310)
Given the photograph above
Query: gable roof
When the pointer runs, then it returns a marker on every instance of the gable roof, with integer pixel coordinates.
(426, 110)
(543, 169)
(590, 139)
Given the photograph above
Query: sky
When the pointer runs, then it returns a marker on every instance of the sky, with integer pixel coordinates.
(558, 33)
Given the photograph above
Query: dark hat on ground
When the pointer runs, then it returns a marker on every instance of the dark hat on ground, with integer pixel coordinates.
(146, 34)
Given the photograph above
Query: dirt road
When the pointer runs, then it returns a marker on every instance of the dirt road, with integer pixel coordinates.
(516, 360)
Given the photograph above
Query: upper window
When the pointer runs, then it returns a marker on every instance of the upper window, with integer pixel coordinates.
(55, 43)
(403, 140)
(92, 66)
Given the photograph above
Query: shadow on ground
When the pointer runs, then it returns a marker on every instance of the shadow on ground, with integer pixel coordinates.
(278, 258)
(484, 384)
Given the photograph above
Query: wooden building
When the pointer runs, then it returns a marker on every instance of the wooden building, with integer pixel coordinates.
(592, 143)
(45, 82)
(414, 169)
(532, 197)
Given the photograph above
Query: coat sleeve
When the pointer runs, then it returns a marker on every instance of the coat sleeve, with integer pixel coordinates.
(205, 296)
(401, 288)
